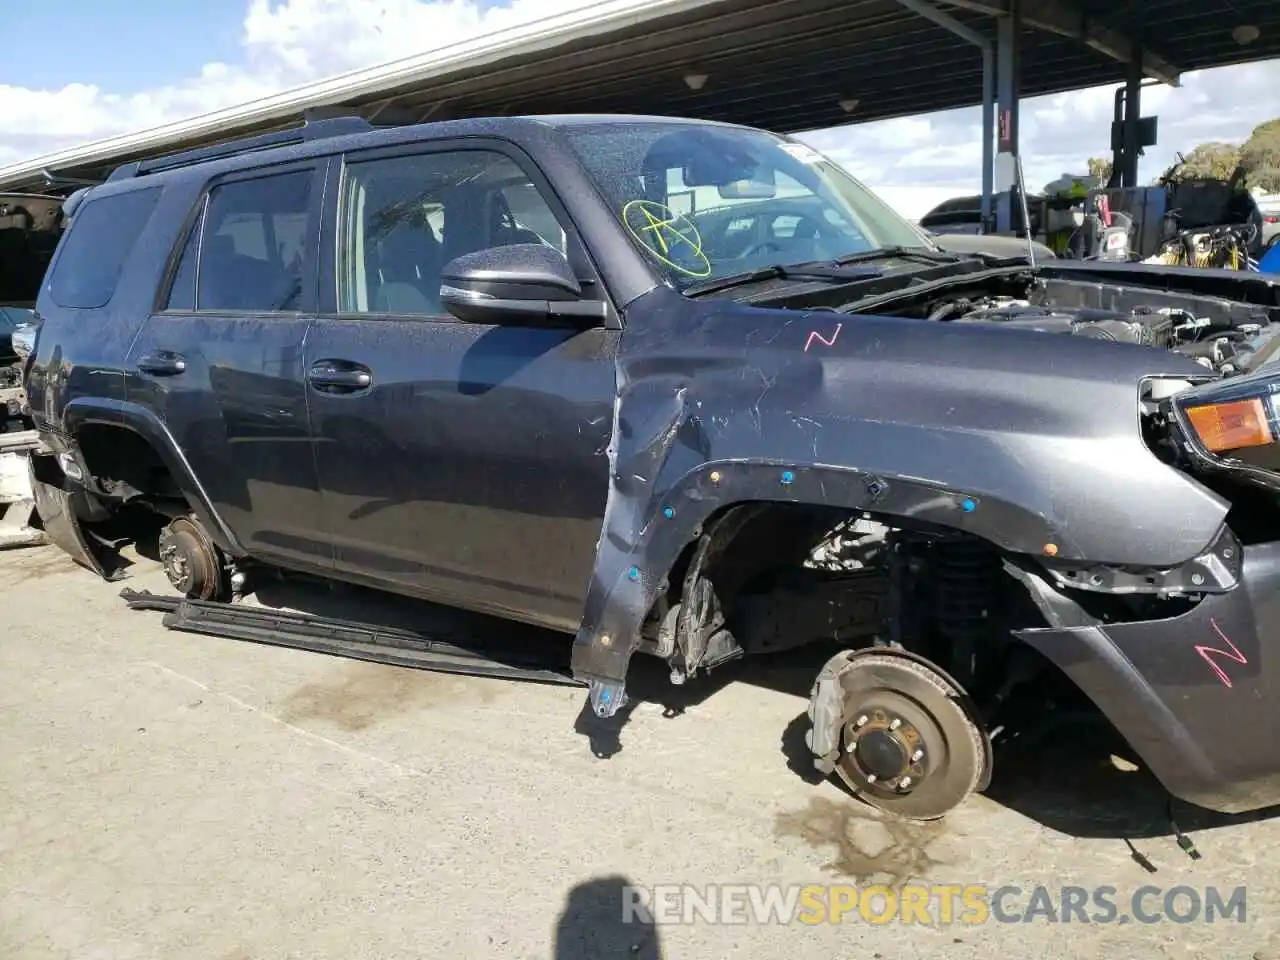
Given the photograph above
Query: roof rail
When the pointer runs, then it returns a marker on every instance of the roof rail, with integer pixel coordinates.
(310, 130)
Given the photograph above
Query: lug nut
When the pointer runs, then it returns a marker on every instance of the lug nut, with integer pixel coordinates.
(917, 756)
(895, 723)
(871, 778)
(904, 783)
(860, 721)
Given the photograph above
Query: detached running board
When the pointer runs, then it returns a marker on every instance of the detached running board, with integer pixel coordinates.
(344, 638)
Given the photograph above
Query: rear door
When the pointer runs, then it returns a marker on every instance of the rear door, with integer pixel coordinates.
(221, 358)
(460, 461)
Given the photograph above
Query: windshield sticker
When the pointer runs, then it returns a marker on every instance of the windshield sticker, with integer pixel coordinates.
(801, 152)
(669, 236)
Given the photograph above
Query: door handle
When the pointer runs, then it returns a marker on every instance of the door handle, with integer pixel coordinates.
(162, 364)
(339, 376)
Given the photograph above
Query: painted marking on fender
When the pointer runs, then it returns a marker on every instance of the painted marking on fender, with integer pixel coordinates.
(815, 335)
(1233, 654)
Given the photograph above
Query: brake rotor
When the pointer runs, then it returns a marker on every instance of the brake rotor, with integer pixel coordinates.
(191, 561)
(907, 743)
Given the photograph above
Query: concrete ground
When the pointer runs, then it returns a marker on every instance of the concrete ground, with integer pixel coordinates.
(165, 795)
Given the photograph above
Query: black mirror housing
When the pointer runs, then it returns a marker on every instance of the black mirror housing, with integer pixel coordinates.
(521, 281)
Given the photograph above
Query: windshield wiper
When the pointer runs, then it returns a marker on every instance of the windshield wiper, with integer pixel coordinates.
(827, 273)
(888, 253)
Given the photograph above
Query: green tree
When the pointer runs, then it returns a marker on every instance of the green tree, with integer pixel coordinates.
(1261, 156)
(1214, 160)
(1100, 169)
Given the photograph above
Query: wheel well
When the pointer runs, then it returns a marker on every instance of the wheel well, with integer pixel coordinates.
(124, 465)
(749, 539)
(786, 575)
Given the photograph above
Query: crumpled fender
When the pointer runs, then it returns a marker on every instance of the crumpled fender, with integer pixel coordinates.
(144, 422)
(1022, 438)
(57, 514)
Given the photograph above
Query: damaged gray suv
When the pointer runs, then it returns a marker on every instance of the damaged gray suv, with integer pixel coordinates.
(686, 390)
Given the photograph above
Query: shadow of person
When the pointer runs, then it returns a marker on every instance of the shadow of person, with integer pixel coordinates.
(596, 924)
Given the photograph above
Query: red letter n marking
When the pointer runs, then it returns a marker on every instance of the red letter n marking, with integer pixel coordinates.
(1232, 653)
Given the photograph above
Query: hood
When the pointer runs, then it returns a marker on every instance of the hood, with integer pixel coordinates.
(996, 246)
(1047, 425)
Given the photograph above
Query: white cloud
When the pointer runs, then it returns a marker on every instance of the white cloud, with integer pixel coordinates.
(920, 162)
(914, 162)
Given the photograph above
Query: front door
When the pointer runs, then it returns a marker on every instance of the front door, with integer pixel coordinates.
(222, 362)
(463, 462)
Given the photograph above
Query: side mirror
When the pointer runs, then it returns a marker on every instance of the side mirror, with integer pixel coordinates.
(521, 282)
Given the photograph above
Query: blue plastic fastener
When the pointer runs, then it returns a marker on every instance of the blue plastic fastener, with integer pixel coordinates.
(634, 573)
(968, 506)
(787, 476)
(668, 512)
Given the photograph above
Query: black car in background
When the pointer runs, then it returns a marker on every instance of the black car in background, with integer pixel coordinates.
(964, 215)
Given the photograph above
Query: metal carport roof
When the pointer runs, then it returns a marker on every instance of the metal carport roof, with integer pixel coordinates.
(781, 64)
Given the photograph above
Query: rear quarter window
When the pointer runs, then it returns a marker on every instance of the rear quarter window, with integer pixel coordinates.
(101, 236)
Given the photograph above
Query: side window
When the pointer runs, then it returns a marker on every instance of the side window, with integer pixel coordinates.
(250, 245)
(101, 236)
(403, 218)
(784, 227)
(182, 294)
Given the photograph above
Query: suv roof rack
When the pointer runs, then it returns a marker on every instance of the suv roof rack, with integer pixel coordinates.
(310, 130)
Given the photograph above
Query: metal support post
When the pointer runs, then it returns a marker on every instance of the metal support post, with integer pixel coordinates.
(1008, 40)
(1132, 114)
(927, 10)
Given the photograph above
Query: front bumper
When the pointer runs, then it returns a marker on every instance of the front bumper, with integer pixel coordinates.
(1198, 695)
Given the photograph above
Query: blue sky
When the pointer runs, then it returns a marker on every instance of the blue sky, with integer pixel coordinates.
(164, 40)
(87, 69)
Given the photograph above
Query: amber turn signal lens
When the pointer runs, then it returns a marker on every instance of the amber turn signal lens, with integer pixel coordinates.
(1230, 426)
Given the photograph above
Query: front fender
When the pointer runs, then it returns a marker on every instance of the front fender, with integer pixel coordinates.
(1022, 438)
(144, 422)
(630, 571)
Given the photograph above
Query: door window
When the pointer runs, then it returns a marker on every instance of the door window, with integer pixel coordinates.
(248, 248)
(403, 218)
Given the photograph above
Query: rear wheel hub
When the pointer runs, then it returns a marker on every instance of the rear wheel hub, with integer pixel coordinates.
(191, 561)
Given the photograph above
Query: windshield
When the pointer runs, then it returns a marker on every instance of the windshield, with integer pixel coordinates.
(706, 201)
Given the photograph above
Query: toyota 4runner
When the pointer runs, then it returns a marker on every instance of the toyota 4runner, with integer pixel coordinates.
(688, 390)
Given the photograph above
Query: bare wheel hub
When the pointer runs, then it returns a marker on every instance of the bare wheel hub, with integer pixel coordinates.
(192, 563)
(908, 742)
(886, 748)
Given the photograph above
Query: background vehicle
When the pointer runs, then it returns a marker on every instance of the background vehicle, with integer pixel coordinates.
(1269, 208)
(30, 225)
(521, 366)
(19, 525)
(964, 215)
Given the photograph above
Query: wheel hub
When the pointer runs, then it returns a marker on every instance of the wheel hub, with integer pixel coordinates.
(177, 566)
(886, 749)
(907, 742)
(191, 561)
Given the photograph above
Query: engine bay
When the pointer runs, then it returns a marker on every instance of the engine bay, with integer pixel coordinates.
(1226, 336)
(1223, 350)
